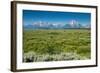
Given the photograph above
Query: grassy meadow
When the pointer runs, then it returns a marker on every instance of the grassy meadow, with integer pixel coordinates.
(56, 45)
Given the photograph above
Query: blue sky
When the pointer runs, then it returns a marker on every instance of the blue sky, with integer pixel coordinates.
(31, 16)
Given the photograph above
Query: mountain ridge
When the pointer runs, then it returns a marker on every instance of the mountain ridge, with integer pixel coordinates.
(47, 25)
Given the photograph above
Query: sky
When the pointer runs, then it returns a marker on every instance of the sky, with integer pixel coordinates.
(31, 16)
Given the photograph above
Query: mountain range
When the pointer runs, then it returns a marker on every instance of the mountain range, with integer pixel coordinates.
(46, 25)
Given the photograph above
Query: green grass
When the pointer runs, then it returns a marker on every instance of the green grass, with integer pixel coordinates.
(56, 45)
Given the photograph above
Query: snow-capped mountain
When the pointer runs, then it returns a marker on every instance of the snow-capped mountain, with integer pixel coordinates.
(73, 24)
(47, 25)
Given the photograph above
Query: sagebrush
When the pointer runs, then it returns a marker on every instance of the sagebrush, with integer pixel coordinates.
(56, 45)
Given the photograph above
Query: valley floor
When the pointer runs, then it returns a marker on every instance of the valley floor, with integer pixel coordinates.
(56, 45)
